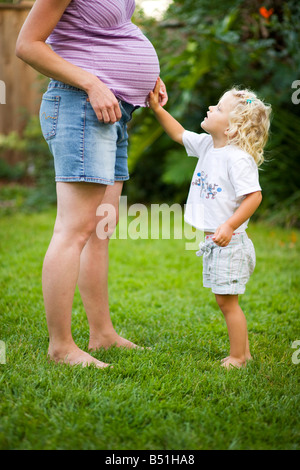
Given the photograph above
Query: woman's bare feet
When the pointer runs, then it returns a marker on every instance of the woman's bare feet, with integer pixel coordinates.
(75, 356)
(112, 339)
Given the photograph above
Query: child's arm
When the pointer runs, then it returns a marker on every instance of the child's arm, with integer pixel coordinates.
(223, 234)
(170, 125)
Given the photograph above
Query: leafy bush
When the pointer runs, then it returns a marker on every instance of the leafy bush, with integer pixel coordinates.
(206, 47)
(37, 165)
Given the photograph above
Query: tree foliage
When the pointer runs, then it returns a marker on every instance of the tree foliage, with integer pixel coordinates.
(206, 47)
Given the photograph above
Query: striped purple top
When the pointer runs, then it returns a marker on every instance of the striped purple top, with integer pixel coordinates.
(98, 36)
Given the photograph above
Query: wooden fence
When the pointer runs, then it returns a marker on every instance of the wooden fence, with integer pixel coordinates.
(20, 85)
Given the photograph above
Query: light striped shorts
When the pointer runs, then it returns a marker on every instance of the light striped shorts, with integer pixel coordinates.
(226, 270)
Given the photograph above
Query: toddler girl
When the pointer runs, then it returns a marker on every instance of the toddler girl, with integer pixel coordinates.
(224, 193)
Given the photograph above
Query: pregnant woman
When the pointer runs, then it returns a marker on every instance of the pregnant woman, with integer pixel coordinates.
(102, 68)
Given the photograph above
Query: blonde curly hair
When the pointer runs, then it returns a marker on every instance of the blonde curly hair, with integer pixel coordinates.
(249, 123)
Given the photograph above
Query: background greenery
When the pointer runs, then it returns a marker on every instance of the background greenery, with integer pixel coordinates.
(205, 47)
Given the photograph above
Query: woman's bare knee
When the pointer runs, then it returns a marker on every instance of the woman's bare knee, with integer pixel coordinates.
(73, 235)
(76, 215)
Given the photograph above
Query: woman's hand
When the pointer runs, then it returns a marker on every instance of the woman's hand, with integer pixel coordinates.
(31, 48)
(104, 103)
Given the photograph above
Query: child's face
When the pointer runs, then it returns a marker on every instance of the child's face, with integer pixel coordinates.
(217, 121)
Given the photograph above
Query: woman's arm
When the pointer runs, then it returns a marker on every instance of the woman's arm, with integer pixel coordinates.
(31, 48)
(172, 127)
(223, 234)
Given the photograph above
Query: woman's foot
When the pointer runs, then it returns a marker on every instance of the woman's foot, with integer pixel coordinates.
(112, 339)
(75, 356)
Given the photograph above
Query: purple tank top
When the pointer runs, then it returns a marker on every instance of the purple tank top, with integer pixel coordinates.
(98, 36)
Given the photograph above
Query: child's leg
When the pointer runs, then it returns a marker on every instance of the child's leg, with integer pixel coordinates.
(248, 356)
(237, 330)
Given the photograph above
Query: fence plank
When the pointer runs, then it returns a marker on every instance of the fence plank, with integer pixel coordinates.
(23, 85)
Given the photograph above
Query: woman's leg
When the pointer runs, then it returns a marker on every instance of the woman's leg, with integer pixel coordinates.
(93, 277)
(76, 207)
(237, 329)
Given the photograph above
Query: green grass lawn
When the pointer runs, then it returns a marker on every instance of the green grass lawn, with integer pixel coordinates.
(174, 396)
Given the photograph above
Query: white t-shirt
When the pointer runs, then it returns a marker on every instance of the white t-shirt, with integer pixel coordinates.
(222, 178)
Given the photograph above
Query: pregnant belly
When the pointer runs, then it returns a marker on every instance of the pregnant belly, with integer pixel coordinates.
(129, 69)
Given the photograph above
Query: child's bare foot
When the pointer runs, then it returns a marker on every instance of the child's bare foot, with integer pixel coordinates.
(224, 359)
(247, 358)
(111, 340)
(233, 362)
(75, 356)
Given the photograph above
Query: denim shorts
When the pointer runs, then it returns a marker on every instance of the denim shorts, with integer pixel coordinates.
(84, 149)
(226, 270)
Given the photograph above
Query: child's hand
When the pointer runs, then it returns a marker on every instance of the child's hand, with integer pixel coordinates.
(154, 97)
(163, 95)
(223, 235)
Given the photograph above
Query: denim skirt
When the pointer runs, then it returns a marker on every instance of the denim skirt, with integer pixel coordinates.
(84, 149)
